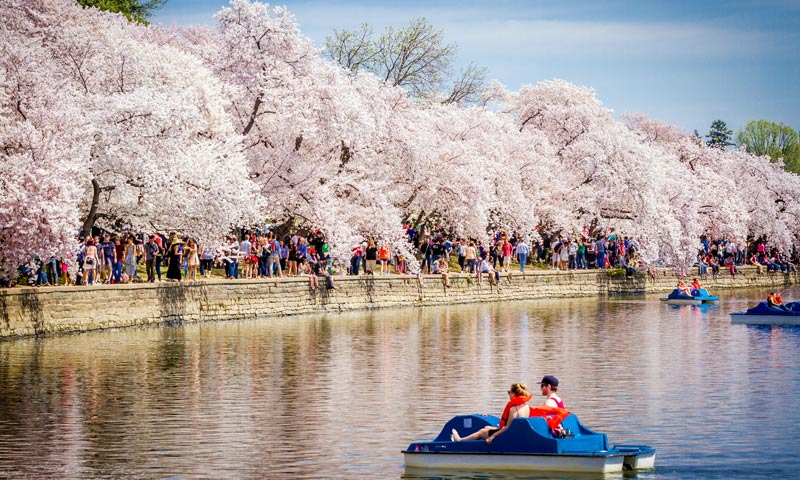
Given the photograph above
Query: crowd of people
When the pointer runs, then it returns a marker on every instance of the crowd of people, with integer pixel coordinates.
(114, 258)
(712, 255)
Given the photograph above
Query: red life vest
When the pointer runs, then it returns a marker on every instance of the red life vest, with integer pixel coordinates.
(552, 415)
(775, 299)
(512, 403)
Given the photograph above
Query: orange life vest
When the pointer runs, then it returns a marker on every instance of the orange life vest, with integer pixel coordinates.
(512, 403)
(775, 299)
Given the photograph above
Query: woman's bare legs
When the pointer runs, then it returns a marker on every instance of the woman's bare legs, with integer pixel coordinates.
(481, 434)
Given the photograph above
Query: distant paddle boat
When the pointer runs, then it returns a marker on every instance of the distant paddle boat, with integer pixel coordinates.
(765, 314)
(529, 444)
(696, 297)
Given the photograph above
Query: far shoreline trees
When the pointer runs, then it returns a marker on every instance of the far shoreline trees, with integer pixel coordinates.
(134, 10)
(775, 140)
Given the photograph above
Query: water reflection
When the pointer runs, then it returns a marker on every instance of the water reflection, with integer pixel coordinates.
(339, 396)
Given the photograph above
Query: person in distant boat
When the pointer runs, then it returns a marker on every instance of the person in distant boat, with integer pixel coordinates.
(683, 289)
(695, 287)
(517, 406)
(774, 300)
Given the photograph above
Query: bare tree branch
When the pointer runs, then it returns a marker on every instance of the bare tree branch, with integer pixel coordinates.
(415, 57)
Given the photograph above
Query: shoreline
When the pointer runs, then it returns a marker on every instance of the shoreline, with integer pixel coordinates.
(37, 311)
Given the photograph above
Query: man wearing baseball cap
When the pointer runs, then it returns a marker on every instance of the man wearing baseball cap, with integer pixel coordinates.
(549, 385)
(549, 388)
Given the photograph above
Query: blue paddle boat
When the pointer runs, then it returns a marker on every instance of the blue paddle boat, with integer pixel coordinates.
(527, 445)
(764, 314)
(696, 298)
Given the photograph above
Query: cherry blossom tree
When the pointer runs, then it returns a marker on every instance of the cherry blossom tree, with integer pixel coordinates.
(42, 160)
(315, 134)
(735, 194)
(605, 174)
(163, 150)
(202, 129)
(140, 127)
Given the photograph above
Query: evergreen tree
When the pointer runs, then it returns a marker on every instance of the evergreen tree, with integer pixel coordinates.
(720, 135)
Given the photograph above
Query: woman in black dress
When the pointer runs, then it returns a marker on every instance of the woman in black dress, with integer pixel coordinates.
(174, 256)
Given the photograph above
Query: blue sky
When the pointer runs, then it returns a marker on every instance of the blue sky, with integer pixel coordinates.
(683, 62)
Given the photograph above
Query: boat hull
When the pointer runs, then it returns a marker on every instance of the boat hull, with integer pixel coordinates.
(765, 314)
(679, 301)
(637, 457)
(747, 319)
(698, 297)
(516, 462)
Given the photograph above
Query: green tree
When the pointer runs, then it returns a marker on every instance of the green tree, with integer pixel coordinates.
(762, 137)
(134, 10)
(415, 57)
(720, 135)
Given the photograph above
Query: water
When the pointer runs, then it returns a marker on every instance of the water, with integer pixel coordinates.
(340, 396)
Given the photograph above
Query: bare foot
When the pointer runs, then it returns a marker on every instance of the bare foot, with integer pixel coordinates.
(455, 436)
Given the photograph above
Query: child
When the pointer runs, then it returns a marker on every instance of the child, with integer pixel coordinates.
(65, 273)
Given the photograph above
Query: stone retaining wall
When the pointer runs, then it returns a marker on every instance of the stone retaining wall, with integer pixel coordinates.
(49, 310)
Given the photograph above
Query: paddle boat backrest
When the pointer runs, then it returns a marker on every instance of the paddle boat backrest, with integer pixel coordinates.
(763, 308)
(466, 425)
(525, 433)
(677, 294)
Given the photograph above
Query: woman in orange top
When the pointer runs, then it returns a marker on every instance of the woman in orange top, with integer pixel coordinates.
(383, 254)
(516, 407)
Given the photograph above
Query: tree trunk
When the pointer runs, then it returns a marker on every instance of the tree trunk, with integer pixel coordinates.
(252, 120)
(86, 230)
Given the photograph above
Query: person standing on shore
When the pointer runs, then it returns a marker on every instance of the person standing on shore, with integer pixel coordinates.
(371, 256)
(90, 262)
(506, 250)
(150, 252)
(471, 256)
(130, 257)
(107, 258)
(384, 254)
(522, 254)
(119, 260)
(174, 257)
(192, 259)
(461, 249)
(600, 250)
